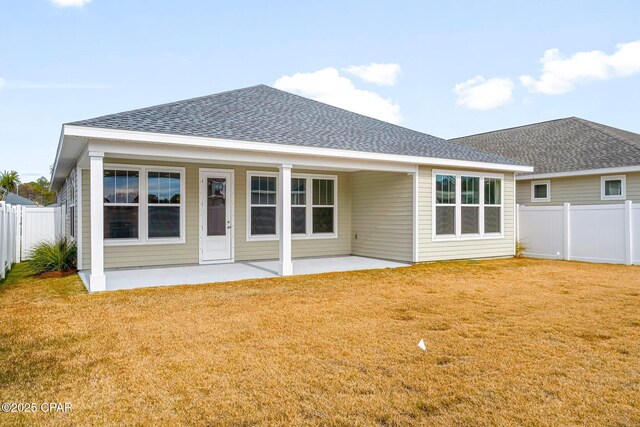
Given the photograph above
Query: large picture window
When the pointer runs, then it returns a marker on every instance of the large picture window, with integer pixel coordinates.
(143, 204)
(467, 205)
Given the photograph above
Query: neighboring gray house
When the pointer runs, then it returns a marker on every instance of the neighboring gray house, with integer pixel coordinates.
(575, 161)
(261, 174)
(14, 199)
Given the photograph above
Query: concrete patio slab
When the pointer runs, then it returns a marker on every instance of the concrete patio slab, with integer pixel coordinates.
(119, 279)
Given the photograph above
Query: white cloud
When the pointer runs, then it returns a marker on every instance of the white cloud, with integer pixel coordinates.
(380, 74)
(70, 3)
(479, 93)
(560, 74)
(328, 86)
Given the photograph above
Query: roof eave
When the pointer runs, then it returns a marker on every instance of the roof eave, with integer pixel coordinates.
(208, 142)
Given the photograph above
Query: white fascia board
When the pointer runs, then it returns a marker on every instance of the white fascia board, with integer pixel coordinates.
(181, 140)
(603, 171)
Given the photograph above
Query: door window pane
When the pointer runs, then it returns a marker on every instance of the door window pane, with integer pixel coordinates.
(216, 207)
(120, 222)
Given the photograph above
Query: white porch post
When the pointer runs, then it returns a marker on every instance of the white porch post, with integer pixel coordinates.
(285, 267)
(97, 281)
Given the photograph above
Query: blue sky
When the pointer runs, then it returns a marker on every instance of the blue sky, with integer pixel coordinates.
(444, 68)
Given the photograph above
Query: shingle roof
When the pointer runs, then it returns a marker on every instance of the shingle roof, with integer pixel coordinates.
(14, 199)
(563, 145)
(264, 114)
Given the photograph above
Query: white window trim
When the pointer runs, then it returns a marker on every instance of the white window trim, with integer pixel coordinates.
(309, 235)
(261, 237)
(143, 207)
(546, 182)
(309, 207)
(458, 207)
(622, 179)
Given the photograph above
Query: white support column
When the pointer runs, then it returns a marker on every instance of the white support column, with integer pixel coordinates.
(416, 214)
(79, 215)
(97, 280)
(567, 231)
(285, 267)
(628, 232)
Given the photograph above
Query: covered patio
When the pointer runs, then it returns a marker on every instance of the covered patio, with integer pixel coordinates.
(131, 278)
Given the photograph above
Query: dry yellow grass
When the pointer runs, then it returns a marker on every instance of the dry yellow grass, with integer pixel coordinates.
(508, 342)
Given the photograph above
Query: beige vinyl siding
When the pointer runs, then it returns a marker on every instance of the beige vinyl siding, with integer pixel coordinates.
(578, 190)
(382, 215)
(188, 252)
(430, 250)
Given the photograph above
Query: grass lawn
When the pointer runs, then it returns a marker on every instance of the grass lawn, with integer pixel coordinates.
(508, 342)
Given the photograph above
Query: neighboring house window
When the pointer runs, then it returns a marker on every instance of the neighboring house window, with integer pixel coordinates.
(613, 187)
(121, 204)
(541, 191)
(467, 205)
(143, 205)
(313, 206)
(263, 202)
(163, 197)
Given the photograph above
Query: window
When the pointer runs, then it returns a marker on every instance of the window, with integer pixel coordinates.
(163, 209)
(263, 205)
(492, 205)
(298, 206)
(121, 204)
(541, 191)
(323, 205)
(72, 222)
(445, 205)
(313, 206)
(470, 211)
(143, 204)
(467, 205)
(613, 187)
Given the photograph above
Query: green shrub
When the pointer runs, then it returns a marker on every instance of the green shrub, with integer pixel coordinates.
(49, 256)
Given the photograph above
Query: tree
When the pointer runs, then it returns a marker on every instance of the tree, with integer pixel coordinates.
(10, 181)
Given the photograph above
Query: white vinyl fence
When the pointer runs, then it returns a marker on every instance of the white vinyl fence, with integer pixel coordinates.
(9, 238)
(594, 233)
(22, 228)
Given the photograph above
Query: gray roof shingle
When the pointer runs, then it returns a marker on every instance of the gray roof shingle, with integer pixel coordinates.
(264, 114)
(562, 145)
(13, 199)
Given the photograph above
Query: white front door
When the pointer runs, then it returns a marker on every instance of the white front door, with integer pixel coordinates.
(216, 215)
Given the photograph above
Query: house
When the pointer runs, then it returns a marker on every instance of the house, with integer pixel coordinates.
(575, 161)
(15, 200)
(261, 174)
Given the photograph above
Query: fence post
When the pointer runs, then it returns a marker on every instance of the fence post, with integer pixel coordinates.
(18, 230)
(3, 240)
(567, 231)
(628, 233)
